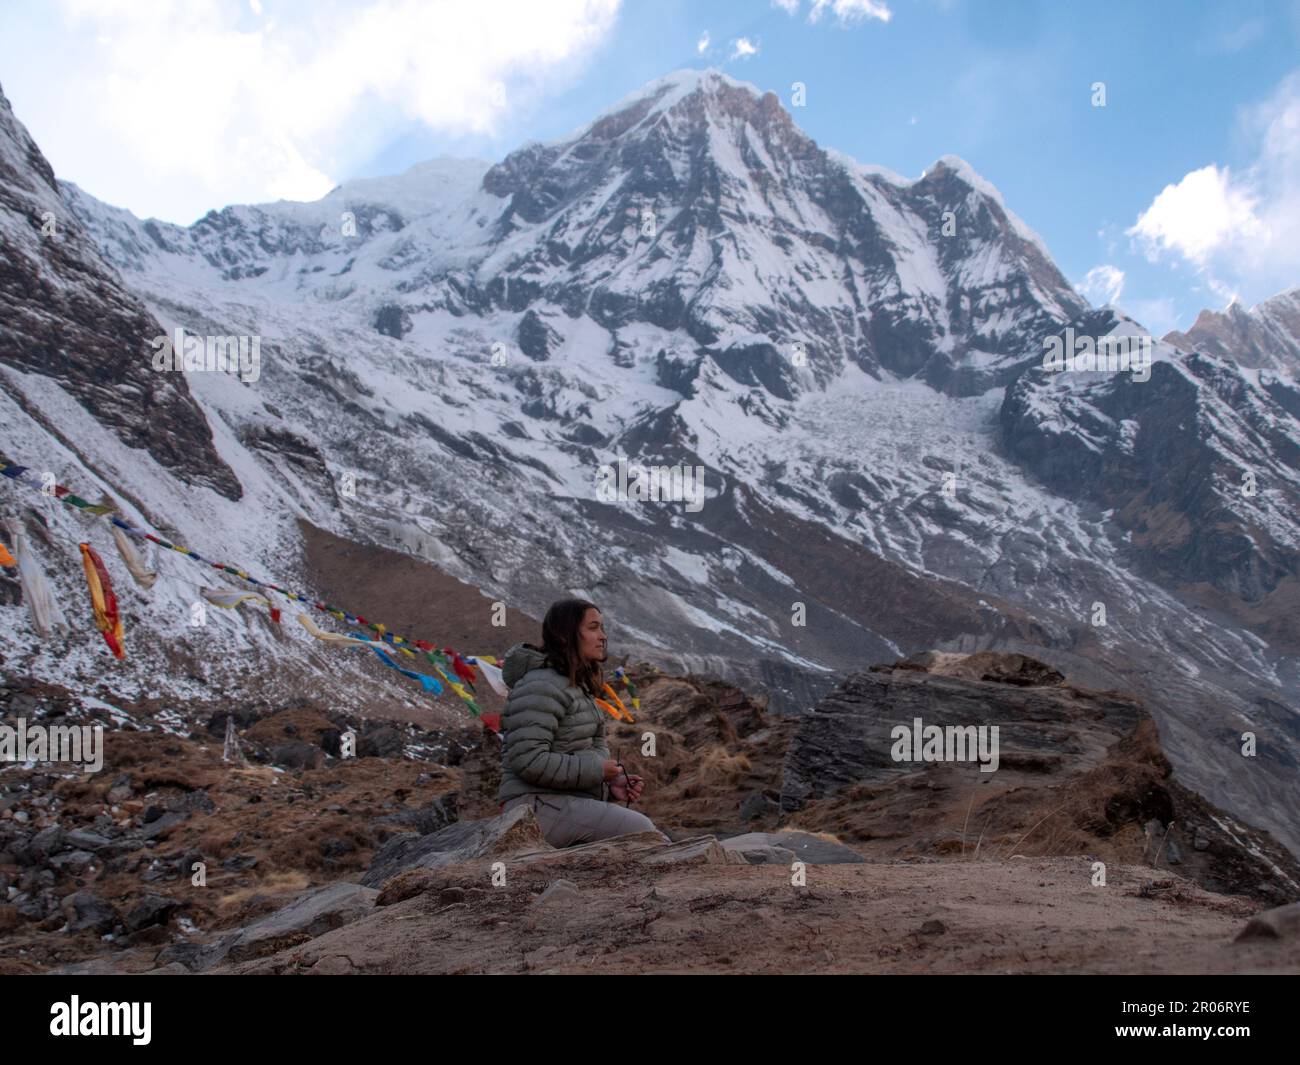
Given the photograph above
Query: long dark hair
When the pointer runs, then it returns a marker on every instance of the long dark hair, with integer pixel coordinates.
(560, 643)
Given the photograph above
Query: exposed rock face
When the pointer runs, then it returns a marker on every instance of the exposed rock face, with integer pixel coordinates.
(392, 321)
(696, 152)
(536, 338)
(458, 842)
(1215, 508)
(65, 314)
(847, 739)
(1078, 771)
(1265, 337)
(308, 916)
(1000, 668)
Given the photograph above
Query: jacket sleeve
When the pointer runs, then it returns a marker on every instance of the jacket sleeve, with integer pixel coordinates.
(533, 717)
(600, 744)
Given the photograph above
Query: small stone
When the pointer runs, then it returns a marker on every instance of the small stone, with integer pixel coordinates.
(332, 965)
(933, 927)
(151, 910)
(557, 891)
(72, 862)
(87, 840)
(89, 911)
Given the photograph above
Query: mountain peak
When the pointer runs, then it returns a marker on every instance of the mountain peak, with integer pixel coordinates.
(679, 84)
(973, 179)
(1267, 336)
(660, 95)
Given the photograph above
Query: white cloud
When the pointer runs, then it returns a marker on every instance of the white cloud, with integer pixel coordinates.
(1201, 215)
(851, 10)
(174, 108)
(1244, 35)
(743, 48)
(1238, 230)
(702, 45)
(845, 10)
(1102, 284)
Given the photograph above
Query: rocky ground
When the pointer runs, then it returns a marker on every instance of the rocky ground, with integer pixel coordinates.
(396, 860)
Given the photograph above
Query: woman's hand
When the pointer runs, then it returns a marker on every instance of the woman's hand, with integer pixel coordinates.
(629, 789)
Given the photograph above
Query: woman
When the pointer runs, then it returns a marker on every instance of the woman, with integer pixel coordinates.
(554, 756)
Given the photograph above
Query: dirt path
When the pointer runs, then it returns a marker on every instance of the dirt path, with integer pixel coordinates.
(1020, 916)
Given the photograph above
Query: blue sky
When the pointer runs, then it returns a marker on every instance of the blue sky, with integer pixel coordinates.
(1182, 192)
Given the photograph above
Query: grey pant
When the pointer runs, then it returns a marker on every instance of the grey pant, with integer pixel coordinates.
(570, 819)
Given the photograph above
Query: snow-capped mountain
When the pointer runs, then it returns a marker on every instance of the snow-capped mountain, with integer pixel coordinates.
(1265, 337)
(852, 358)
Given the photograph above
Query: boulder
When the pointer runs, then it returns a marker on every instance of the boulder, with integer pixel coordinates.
(86, 910)
(86, 840)
(151, 910)
(296, 754)
(807, 848)
(382, 742)
(699, 850)
(558, 892)
(1281, 922)
(308, 916)
(762, 855)
(72, 863)
(161, 825)
(433, 816)
(512, 831)
(48, 841)
(408, 884)
(848, 737)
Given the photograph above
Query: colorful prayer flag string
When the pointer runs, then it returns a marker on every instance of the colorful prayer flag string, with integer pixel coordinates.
(102, 600)
(458, 665)
(621, 673)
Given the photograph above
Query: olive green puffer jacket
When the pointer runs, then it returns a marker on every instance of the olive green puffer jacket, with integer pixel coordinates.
(553, 732)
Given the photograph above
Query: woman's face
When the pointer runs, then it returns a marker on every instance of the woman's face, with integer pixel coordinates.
(591, 636)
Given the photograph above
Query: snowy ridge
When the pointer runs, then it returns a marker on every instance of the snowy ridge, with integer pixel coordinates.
(486, 342)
